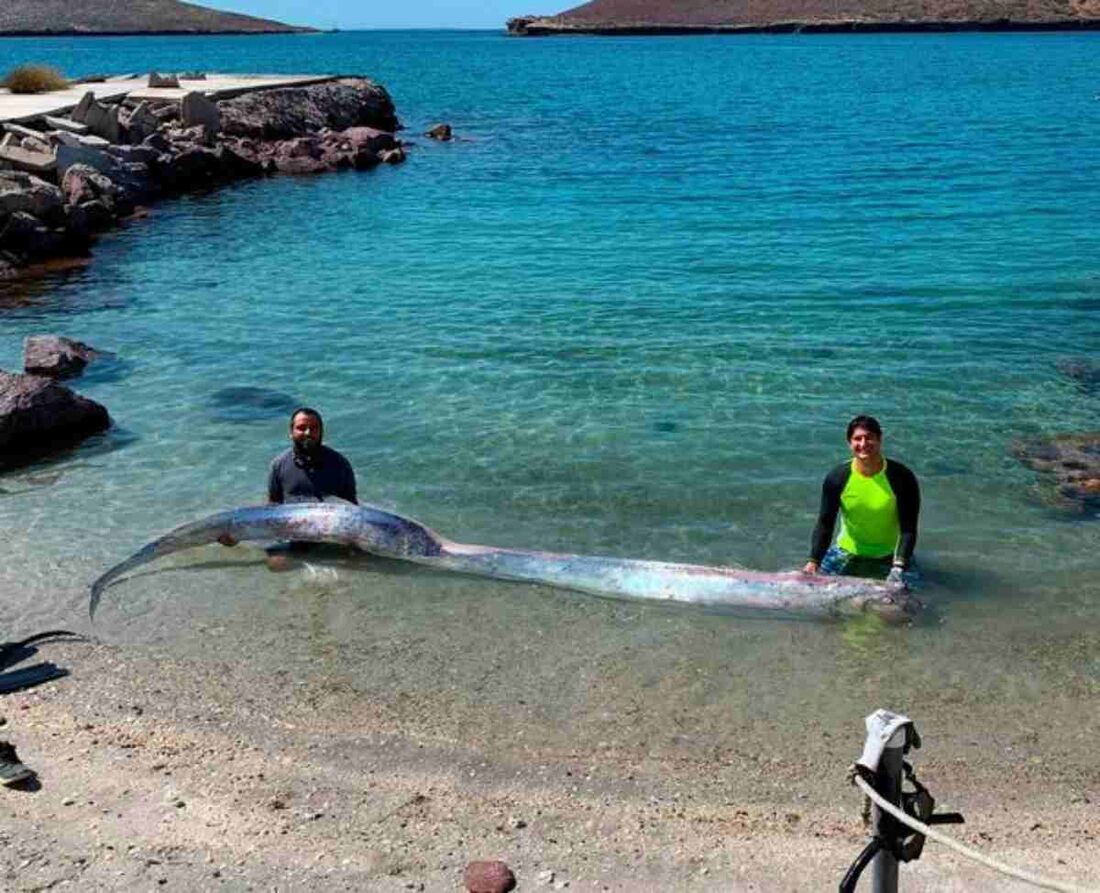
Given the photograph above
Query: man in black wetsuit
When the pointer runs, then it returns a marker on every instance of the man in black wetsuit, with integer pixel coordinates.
(878, 502)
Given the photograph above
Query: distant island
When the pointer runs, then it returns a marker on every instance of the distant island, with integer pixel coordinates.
(624, 17)
(102, 17)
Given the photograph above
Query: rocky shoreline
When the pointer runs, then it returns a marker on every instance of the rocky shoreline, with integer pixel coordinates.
(65, 179)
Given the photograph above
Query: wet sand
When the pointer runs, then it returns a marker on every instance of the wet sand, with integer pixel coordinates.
(161, 771)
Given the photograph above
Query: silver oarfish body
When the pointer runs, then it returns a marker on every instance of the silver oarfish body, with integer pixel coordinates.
(384, 533)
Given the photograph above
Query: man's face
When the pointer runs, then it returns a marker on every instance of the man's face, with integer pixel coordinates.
(305, 432)
(865, 445)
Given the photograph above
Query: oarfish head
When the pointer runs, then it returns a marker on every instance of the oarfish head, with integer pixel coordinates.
(894, 604)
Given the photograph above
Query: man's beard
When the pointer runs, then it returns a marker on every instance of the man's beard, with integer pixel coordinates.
(306, 446)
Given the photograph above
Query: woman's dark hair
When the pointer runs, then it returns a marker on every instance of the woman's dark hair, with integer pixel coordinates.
(306, 410)
(867, 423)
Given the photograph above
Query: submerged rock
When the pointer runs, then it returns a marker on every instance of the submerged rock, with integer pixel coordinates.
(38, 415)
(441, 132)
(1082, 370)
(56, 357)
(251, 404)
(1072, 460)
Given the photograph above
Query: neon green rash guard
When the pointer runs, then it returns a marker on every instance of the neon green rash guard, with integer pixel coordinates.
(879, 513)
(868, 515)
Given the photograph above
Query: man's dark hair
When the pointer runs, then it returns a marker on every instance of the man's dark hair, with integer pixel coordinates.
(867, 423)
(307, 410)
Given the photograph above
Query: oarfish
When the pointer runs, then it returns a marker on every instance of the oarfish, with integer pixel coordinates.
(384, 533)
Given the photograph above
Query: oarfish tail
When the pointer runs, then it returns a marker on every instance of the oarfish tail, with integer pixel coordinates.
(195, 534)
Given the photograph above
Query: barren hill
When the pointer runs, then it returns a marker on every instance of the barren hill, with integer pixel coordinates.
(127, 17)
(665, 16)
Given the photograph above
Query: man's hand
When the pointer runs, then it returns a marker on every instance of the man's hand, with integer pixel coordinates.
(810, 567)
(226, 540)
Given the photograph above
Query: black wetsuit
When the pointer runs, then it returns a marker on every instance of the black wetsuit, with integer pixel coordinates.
(906, 491)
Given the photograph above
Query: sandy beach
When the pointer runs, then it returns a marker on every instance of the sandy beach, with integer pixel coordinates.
(157, 772)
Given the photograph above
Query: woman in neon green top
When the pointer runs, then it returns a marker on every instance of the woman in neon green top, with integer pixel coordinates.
(878, 502)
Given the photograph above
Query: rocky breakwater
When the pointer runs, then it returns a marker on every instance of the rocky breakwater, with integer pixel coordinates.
(65, 179)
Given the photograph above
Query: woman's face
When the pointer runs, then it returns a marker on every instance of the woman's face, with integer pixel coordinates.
(865, 445)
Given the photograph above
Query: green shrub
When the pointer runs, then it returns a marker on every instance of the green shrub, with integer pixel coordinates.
(34, 79)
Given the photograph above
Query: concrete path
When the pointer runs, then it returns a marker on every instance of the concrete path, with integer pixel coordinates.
(218, 86)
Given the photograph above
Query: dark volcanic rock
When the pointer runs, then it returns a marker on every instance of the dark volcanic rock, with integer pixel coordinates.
(441, 132)
(301, 111)
(90, 217)
(194, 167)
(82, 183)
(488, 877)
(29, 238)
(1072, 460)
(38, 414)
(56, 357)
(25, 192)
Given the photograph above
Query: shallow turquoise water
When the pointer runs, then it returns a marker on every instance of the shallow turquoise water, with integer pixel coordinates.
(630, 312)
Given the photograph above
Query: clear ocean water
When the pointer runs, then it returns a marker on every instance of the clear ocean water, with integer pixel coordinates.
(629, 312)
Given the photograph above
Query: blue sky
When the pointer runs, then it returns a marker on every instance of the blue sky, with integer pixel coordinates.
(400, 14)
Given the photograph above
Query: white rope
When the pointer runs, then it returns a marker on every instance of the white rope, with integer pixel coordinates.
(995, 864)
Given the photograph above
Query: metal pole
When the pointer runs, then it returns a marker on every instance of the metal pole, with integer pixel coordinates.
(884, 878)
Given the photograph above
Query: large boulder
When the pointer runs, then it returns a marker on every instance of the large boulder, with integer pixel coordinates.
(25, 192)
(368, 139)
(192, 168)
(83, 183)
(68, 155)
(29, 238)
(1072, 461)
(80, 113)
(89, 218)
(300, 111)
(56, 357)
(33, 162)
(196, 110)
(141, 124)
(102, 121)
(38, 414)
